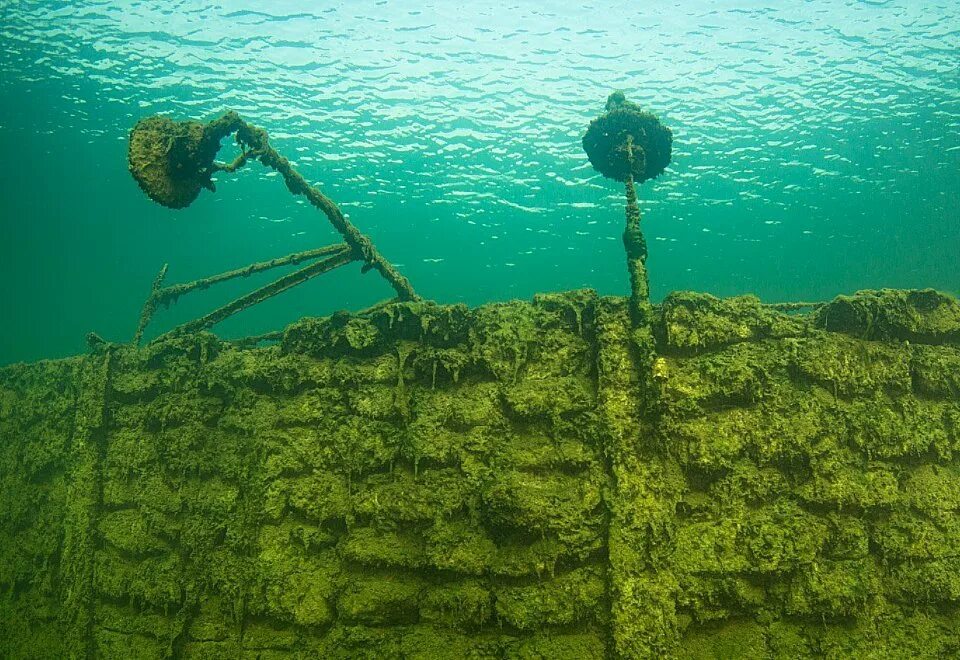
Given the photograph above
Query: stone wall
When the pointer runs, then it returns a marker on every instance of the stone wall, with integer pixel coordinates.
(514, 481)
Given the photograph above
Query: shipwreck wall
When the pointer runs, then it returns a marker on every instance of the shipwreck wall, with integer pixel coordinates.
(520, 480)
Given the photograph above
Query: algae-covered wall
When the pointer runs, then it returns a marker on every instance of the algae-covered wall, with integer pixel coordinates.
(521, 480)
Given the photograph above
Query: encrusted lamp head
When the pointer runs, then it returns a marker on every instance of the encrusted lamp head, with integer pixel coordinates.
(172, 160)
(607, 137)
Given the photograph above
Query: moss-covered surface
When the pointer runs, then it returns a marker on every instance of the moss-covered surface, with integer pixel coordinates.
(172, 161)
(520, 480)
(816, 512)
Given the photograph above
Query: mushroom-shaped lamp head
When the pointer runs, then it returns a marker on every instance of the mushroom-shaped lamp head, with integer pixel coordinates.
(606, 141)
(172, 160)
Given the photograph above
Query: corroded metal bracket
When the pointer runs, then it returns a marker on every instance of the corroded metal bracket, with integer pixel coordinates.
(333, 256)
(173, 161)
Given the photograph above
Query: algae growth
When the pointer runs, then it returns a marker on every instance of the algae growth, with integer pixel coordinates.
(514, 481)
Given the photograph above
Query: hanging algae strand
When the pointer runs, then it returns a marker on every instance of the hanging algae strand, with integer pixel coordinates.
(628, 144)
(173, 161)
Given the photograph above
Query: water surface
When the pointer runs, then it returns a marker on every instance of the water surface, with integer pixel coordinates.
(817, 150)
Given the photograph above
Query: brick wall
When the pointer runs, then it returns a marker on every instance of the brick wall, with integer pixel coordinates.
(512, 481)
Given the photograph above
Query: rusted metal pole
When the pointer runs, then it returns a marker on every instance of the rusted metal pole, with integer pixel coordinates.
(636, 247)
(289, 281)
(255, 144)
(150, 305)
(161, 295)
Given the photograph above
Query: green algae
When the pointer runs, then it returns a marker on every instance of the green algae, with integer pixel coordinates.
(921, 316)
(692, 322)
(806, 454)
(523, 480)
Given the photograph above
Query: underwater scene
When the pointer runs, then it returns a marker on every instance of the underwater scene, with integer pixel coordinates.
(534, 330)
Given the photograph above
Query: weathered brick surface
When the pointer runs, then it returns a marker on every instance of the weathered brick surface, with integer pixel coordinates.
(510, 481)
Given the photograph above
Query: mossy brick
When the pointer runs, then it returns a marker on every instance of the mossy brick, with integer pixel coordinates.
(552, 503)
(922, 316)
(173, 409)
(908, 535)
(560, 600)
(894, 429)
(294, 585)
(135, 385)
(264, 371)
(28, 626)
(781, 536)
(695, 322)
(849, 536)
(213, 622)
(427, 641)
(533, 452)
(128, 531)
(850, 368)
(424, 641)
(711, 443)
(710, 546)
(336, 335)
(349, 640)
(111, 644)
(637, 634)
(440, 367)
(738, 638)
(127, 619)
(442, 447)
(263, 639)
(916, 632)
(153, 581)
(130, 452)
(401, 496)
(573, 310)
(841, 478)
(720, 596)
(560, 352)
(933, 488)
(299, 451)
(458, 407)
(309, 408)
(558, 646)
(925, 582)
(463, 605)
(151, 492)
(461, 546)
(379, 402)
(318, 496)
(383, 548)
(196, 450)
(503, 336)
(380, 600)
(546, 398)
(524, 557)
(748, 482)
(832, 588)
(936, 371)
(788, 639)
(741, 374)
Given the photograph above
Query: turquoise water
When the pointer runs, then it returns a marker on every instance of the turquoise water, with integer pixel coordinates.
(816, 151)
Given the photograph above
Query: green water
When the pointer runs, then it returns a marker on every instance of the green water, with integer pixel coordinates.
(816, 151)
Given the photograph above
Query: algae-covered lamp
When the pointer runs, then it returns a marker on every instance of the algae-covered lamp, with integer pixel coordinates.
(173, 161)
(630, 145)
